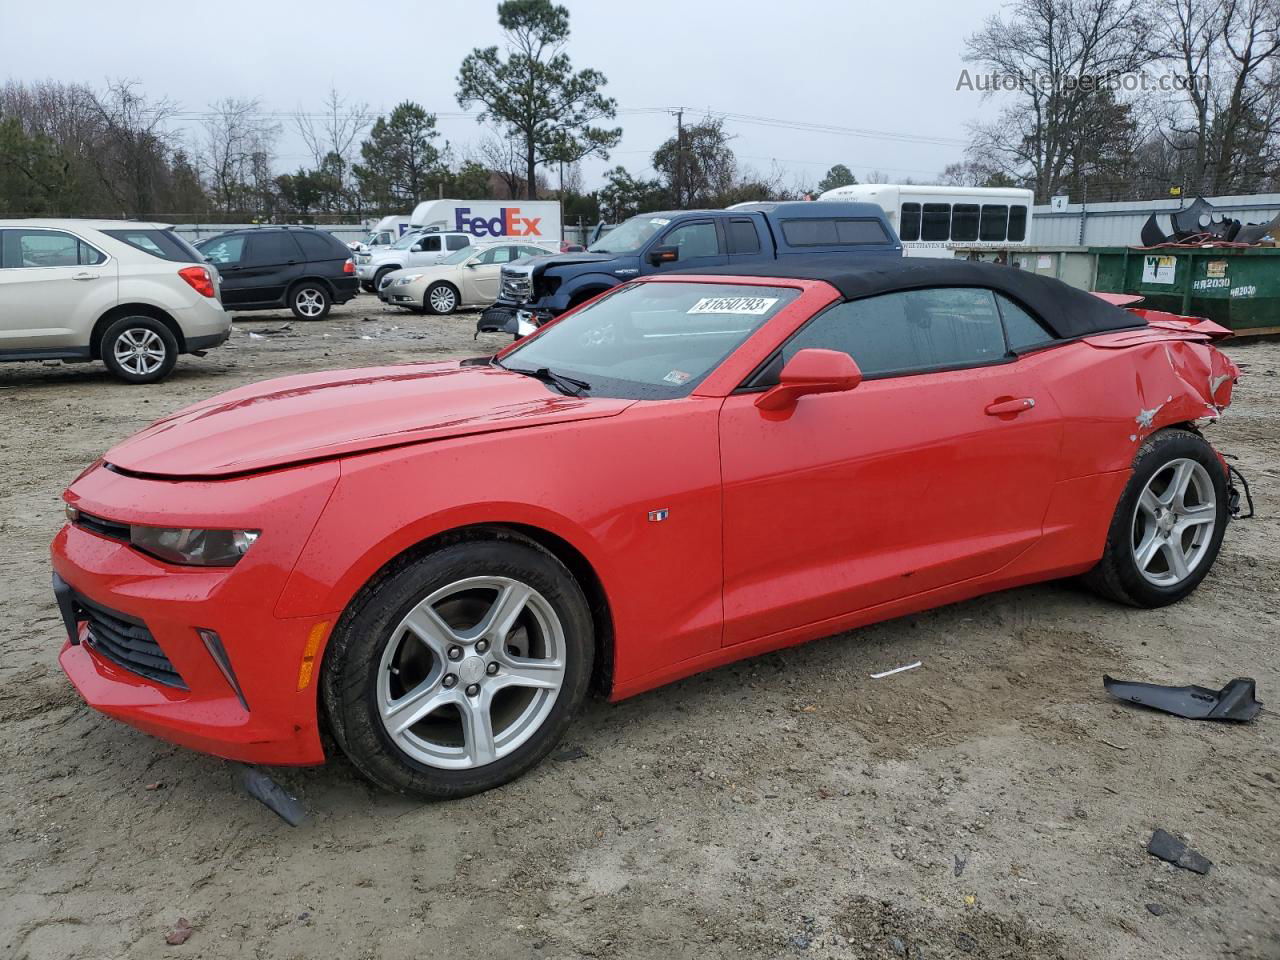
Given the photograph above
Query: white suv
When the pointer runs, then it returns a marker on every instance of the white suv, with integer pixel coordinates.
(133, 295)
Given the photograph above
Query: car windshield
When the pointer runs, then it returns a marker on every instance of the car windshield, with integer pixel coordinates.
(405, 242)
(630, 235)
(651, 341)
(460, 255)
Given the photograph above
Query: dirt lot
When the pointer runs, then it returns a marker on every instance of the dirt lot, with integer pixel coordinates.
(784, 807)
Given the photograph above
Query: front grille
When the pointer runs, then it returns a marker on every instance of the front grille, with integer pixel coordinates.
(103, 528)
(516, 286)
(126, 641)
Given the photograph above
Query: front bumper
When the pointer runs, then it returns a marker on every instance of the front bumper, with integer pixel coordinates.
(248, 707)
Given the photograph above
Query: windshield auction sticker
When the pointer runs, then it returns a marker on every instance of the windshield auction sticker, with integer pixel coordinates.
(741, 306)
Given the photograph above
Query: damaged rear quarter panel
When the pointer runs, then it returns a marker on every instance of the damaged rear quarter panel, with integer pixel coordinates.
(1117, 389)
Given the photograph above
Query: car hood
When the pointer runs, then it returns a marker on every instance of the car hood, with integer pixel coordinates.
(322, 415)
(570, 259)
(434, 272)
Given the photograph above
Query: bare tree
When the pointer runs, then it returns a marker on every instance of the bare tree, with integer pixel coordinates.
(134, 145)
(333, 136)
(503, 155)
(1060, 57)
(1223, 123)
(236, 139)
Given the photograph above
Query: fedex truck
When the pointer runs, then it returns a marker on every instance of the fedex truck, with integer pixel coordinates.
(490, 220)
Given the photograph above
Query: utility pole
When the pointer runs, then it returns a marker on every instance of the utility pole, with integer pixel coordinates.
(680, 158)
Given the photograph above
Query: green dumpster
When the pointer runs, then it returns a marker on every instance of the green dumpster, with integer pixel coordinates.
(1236, 287)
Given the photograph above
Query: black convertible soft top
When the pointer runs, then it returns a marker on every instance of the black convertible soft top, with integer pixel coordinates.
(1068, 312)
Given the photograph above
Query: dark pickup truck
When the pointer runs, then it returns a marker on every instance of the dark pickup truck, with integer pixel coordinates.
(535, 290)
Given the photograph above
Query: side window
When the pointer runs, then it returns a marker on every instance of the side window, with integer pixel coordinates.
(316, 247)
(47, 248)
(910, 226)
(964, 221)
(1023, 331)
(271, 249)
(936, 223)
(532, 252)
(697, 239)
(495, 255)
(224, 250)
(909, 332)
(742, 236)
(456, 241)
(429, 244)
(1017, 223)
(995, 221)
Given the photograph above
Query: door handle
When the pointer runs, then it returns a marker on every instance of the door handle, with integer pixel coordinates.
(85, 276)
(1005, 408)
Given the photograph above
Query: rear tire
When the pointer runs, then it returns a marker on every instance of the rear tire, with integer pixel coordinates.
(1168, 526)
(139, 350)
(434, 687)
(310, 301)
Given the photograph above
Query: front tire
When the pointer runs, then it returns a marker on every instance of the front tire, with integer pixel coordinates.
(310, 301)
(1168, 527)
(441, 299)
(460, 671)
(139, 350)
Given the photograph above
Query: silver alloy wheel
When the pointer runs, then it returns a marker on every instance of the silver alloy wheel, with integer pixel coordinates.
(310, 302)
(443, 299)
(471, 673)
(140, 351)
(1173, 522)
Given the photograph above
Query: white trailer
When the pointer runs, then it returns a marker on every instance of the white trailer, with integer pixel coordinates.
(939, 221)
(489, 220)
(382, 234)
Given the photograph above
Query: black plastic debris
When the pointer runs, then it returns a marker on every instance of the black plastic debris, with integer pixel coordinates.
(1169, 848)
(1235, 701)
(284, 805)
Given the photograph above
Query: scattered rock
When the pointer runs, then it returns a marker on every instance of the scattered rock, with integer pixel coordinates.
(158, 785)
(897, 946)
(962, 860)
(1169, 848)
(572, 753)
(966, 943)
(180, 934)
(1156, 909)
(799, 940)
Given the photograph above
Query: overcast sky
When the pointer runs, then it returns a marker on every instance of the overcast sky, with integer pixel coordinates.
(880, 68)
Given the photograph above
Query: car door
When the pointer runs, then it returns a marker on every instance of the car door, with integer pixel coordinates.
(699, 244)
(225, 253)
(53, 288)
(271, 262)
(427, 251)
(742, 240)
(483, 271)
(937, 468)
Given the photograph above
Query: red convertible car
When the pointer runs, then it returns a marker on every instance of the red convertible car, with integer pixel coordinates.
(439, 559)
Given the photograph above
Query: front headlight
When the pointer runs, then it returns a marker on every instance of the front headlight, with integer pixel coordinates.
(196, 548)
(405, 281)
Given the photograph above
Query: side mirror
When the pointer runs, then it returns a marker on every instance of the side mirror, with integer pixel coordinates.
(811, 371)
(471, 264)
(661, 255)
(417, 248)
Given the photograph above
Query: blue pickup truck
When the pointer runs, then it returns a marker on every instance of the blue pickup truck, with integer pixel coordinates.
(535, 290)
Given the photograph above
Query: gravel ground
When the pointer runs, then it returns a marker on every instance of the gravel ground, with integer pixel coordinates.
(991, 804)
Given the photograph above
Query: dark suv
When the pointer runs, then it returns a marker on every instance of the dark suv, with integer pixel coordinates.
(265, 268)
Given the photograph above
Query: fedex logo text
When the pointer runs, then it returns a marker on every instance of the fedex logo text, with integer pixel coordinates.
(508, 223)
